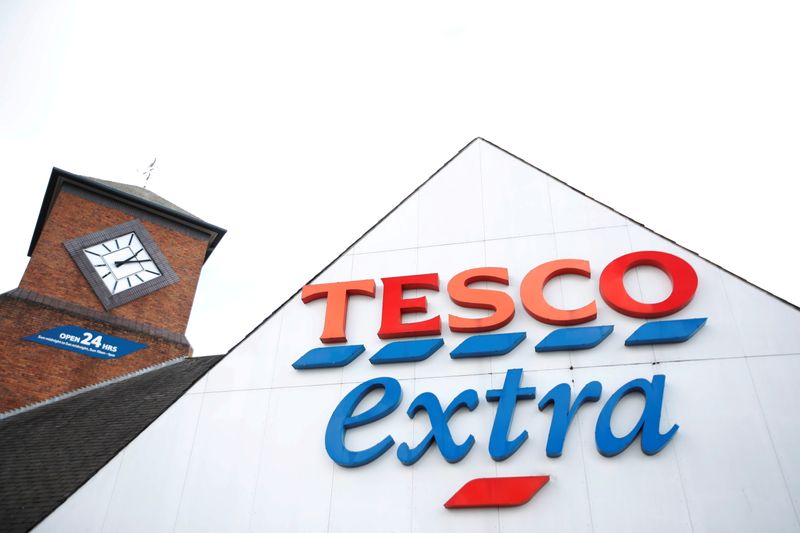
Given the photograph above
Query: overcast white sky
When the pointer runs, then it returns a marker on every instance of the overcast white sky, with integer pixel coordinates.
(296, 125)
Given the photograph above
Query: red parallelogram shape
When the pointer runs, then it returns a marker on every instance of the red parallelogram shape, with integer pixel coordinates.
(497, 492)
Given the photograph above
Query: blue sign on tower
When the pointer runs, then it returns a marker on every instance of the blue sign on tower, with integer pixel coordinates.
(86, 342)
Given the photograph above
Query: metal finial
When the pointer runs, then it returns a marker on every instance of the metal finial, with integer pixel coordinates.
(147, 172)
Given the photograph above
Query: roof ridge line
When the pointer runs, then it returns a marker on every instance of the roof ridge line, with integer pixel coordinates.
(527, 163)
(375, 225)
(87, 388)
(59, 177)
(641, 224)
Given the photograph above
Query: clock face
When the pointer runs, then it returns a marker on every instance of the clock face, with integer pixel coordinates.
(122, 263)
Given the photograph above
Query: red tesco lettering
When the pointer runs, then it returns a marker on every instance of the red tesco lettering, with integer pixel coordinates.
(395, 305)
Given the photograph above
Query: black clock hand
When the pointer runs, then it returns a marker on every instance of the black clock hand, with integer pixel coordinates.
(120, 263)
(141, 261)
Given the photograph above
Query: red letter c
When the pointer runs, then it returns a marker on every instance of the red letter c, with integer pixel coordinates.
(683, 276)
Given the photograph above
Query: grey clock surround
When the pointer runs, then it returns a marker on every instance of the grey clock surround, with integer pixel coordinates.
(76, 246)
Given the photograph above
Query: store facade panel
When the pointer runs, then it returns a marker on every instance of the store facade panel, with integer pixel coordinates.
(373, 409)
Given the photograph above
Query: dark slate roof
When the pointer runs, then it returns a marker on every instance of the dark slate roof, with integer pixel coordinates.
(144, 194)
(48, 452)
(127, 194)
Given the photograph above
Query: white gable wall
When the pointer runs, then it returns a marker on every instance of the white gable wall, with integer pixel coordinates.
(244, 449)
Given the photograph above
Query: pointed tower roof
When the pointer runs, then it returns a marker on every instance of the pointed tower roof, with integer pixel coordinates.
(143, 194)
(127, 194)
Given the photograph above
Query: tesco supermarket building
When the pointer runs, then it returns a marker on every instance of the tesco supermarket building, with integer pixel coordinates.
(500, 353)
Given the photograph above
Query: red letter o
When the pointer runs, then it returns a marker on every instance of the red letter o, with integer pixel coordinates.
(683, 276)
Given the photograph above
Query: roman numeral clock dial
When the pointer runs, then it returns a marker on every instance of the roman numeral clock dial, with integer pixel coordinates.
(121, 263)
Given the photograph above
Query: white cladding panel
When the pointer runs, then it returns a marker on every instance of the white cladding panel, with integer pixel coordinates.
(244, 450)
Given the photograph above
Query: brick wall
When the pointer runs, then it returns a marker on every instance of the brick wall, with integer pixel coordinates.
(52, 272)
(55, 293)
(31, 372)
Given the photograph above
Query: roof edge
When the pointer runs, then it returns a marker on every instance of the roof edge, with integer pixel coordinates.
(490, 143)
(651, 230)
(93, 386)
(63, 497)
(59, 176)
(384, 217)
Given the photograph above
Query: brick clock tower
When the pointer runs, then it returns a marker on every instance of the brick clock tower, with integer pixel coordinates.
(108, 290)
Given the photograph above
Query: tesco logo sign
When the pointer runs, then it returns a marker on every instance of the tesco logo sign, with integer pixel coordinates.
(612, 289)
(559, 400)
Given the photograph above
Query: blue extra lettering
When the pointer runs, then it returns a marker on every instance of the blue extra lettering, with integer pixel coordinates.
(653, 441)
(342, 419)
(440, 432)
(500, 448)
(563, 414)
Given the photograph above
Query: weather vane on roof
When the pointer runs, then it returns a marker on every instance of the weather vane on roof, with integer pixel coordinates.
(147, 172)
